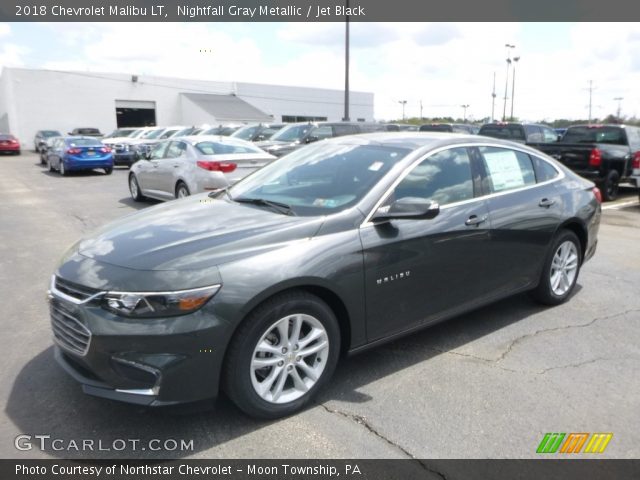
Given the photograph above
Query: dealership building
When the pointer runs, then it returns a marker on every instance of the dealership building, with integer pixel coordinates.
(32, 100)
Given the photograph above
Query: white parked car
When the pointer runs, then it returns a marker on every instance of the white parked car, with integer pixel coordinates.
(183, 166)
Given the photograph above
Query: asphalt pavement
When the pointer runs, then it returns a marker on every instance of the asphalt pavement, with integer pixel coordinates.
(488, 384)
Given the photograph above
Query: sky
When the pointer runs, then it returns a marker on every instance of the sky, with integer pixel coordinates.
(439, 65)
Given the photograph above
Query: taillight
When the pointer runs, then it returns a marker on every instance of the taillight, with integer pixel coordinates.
(13, 141)
(74, 151)
(635, 163)
(224, 167)
(105, 149)
(595, 158)
(597, 194)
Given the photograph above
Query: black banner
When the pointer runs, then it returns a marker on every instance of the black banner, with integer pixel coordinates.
(316, 10)
(587, 469)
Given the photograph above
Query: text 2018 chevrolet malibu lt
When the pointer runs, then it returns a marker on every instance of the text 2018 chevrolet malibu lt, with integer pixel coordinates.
(344, 244)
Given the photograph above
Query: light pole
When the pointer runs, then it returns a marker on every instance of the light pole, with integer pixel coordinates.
(464, 119)
(513, 84)
(493, 98)
(619, 99)
(506, 82)
(346, 68)
(403, 102)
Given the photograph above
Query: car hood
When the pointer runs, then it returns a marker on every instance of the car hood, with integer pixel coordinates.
(195, 233)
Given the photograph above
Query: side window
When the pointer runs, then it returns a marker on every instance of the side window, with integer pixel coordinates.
(544, 170)
(444, 177)
(322, 132)
(340, 130)
(633, 135)
(534, 134)
(549, 135)
(176, 150)
(506, 169)
(158, 151)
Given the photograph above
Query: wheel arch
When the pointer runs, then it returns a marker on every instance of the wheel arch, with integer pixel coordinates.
(578, 227)
(316, 288)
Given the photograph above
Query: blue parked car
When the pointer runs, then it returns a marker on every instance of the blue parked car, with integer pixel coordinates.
(66, 154)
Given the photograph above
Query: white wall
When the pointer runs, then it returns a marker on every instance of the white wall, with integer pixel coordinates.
(43, 99)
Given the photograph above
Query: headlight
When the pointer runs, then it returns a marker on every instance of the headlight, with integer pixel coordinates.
(157, 304)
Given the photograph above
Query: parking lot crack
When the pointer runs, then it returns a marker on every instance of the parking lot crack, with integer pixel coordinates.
(361, 420)
(579, 364)
(521, 338)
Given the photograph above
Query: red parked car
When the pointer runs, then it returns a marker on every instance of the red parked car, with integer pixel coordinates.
(9, 144)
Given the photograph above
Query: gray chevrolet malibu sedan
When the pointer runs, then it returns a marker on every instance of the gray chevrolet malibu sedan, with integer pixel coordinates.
(258, 289)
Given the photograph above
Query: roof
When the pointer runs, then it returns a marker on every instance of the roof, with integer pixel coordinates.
(227, 108)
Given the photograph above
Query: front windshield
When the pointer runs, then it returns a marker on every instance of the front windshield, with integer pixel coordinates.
(50, 133)
(292, 133)
(322, 178)
(122, 132)
(246, 133)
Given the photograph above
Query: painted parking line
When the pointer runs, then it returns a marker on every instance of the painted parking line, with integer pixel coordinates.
(620, 205)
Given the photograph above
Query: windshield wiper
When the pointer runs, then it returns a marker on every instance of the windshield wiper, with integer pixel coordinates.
(278, 206)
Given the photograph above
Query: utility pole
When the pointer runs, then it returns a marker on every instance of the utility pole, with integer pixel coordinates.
(590, 98)
(421, 110)
(493, 98)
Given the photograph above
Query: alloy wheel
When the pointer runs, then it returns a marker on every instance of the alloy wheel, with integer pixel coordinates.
(564, 268)
(289, 358)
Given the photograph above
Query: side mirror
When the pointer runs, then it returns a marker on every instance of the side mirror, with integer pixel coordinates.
(311, 139)
(147, 155)
(559, 138)
(407, 207)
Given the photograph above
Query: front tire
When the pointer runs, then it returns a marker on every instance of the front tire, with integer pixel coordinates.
(561, 269)
(108, 170)
(284, 352)
(134, 188)
(61, 169)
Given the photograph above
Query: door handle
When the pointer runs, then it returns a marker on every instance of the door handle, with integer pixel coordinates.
(546, 202)
(475, 220)
(176, 165)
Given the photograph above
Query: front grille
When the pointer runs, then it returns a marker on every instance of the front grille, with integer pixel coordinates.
(79, 292)
(68, 331)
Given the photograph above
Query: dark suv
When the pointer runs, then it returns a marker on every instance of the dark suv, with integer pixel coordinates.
(295, 135)
(519, 132)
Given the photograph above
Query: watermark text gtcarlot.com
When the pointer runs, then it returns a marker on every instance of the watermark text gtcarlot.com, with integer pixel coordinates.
(48, 443)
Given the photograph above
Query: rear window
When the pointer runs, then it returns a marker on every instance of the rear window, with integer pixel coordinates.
(217, 148)
(507, 132)
(611, 135)
(87, 131)
(436, 128)
(6, 137)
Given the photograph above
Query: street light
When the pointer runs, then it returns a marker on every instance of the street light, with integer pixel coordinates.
(506, 82)
(465, 112)
(403, 102)
(346, 67)
(619, 99)
(513, 84)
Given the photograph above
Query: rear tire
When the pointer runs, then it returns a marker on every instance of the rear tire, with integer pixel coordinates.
(610, 186)
(61, 169)
(182, 190)
(283, 353)
(561, 269)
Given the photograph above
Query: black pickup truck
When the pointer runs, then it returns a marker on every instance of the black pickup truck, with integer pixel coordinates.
(604, 154)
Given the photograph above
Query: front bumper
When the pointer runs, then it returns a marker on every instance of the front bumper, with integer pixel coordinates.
(153, 362)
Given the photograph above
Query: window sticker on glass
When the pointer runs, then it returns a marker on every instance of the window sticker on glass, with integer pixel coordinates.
(375, 166)
(504, 170)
